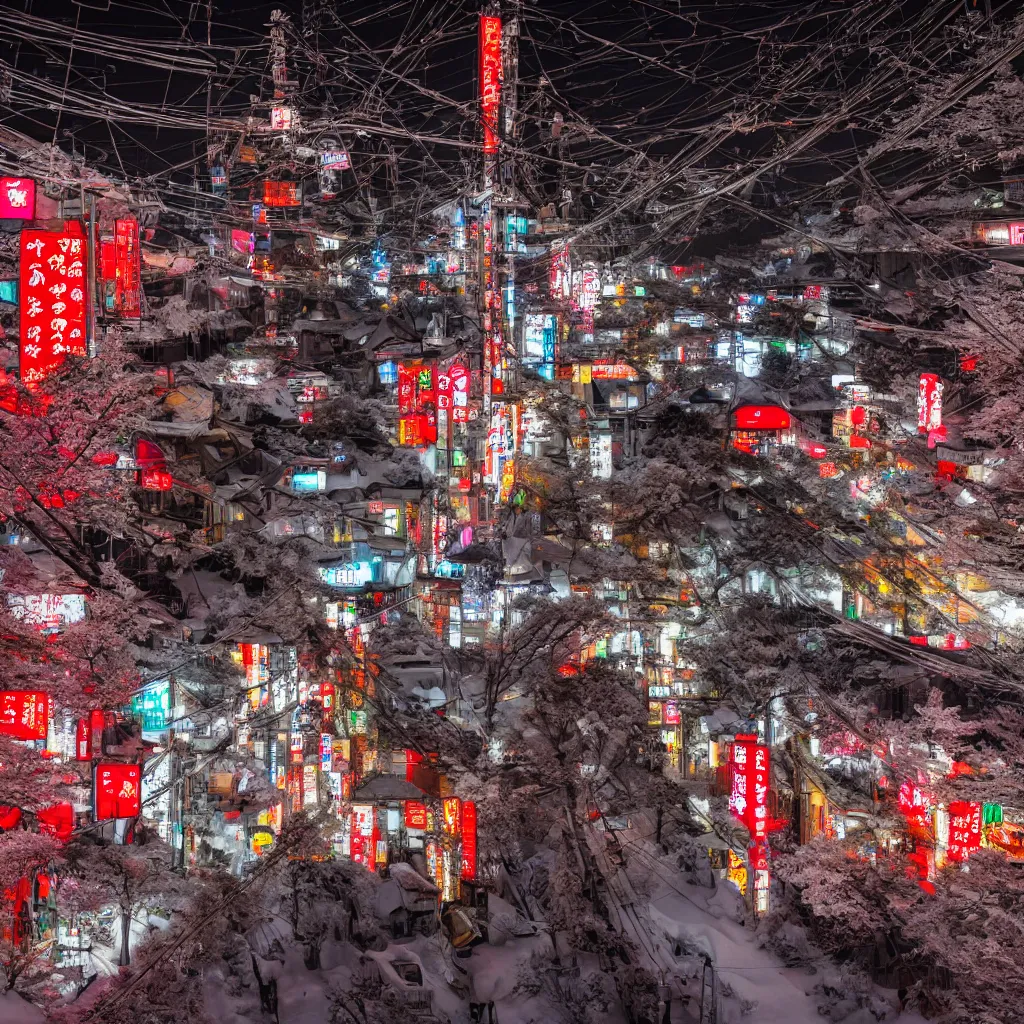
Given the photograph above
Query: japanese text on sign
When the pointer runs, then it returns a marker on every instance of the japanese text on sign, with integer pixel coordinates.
(490, 80)
(52, 301)
(748, 797)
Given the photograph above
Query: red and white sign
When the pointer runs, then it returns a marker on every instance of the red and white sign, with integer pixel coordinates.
(52, 300)
(929, 403)
(280, 118)
(460, 393)
(613, 371)
(761, 417)
(118, 790)
(490, 80)
(25, 714)
(453, 392)
(127, 271)
(363, 820)
(17, 198)
(83, 740)
(964, 829)
(468, 870)
(415, 815)
(748, 796)
(913, 804)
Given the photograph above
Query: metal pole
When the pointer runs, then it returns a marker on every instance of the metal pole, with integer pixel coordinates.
(90, 256)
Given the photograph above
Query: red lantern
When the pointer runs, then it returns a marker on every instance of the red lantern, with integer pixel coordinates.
(858, 416)
(10, 817)
(58, 820)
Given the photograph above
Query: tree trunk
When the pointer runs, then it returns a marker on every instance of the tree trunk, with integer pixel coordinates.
(126, 931)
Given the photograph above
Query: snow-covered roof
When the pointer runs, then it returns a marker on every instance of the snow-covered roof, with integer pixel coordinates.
(387, 787)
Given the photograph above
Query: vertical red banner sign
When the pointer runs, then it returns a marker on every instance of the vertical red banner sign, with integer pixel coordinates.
(964, 829)
(452, 807)
(52, 300)
(929, 403)
(127, 293)
(468, 840)
(406, 389)
(412, 758)
(490, 80)
(460, 393)
(83, 740)
(444, 391)
(748, 798)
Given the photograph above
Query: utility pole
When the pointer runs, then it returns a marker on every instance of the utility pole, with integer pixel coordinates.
(90, 270)
(510, 67)
(489, 297)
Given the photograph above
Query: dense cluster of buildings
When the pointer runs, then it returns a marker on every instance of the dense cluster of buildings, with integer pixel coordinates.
(399, 408)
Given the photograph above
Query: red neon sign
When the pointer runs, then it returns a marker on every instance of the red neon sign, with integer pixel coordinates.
(490, 80)
(406, 389)
(25, 714)
(281, 193)
(815, 449)
(83, 740)
(748, 796)
(118, 791)
(411, 760)
(468, 870)
(761, 417)
(415, 814)
(17, 198)
(127, 270)
(929, 403)
(52, 300)
(964, 829)
(452, 814)
(453, 392)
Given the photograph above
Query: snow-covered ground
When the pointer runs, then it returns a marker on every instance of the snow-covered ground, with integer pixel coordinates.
(752, 983)
(15, 1010)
